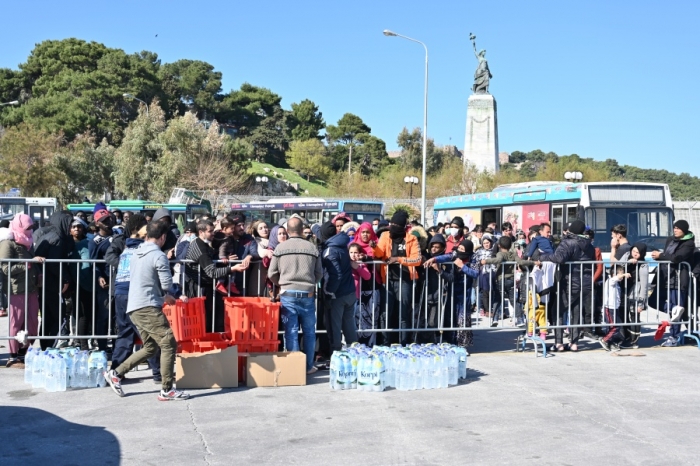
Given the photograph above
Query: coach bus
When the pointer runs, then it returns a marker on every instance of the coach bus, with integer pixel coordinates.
(38, 208)
(313, 210)
(645, 209)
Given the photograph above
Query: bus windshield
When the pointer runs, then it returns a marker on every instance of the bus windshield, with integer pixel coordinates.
(652, 226)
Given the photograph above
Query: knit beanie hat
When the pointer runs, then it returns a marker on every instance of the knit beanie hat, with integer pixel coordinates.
(682, 225)
(577, 227)
(458, 221)
(400, 218)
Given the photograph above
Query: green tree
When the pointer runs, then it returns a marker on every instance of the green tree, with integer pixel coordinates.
(411, 144)
(73, 86)
(343, 138)
(87, 166)
(306, 121)
(309, 157)
(191, 85)
(137, 157)
(370, 155)
(26, 160)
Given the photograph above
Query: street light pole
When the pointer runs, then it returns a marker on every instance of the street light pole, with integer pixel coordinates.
(130, 96)
(262, 180)
(14, 102)
(425, 118)
(410, 180)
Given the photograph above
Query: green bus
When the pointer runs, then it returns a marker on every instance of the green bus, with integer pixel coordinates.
(182, 213)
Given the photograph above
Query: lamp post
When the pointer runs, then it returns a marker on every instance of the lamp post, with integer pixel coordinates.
(262, 180)
(410, 181)
(14, 102)
(130, 96)
(389, 33)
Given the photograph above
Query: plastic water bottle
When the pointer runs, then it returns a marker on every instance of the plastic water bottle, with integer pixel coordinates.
(50, 375)
(38, 370)
(60, 370)
(453, 367)
(444, 372)
(389, 373)
(97, 364)
(416, 379)
(462, 361)
(401, 368)
(336, 366)
(29, 364)
(364, 373)
(81, 370)
(349, 380)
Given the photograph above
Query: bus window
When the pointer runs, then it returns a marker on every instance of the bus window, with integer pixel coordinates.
(313, 216)
(571, 212)
(13, 209)
(490, 216)
(557, 219)
(275, 217)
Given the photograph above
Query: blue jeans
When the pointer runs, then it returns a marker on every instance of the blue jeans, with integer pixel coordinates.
(295, 311)
(677, 298)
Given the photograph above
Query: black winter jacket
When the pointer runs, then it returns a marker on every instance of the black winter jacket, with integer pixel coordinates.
(336, 266)
(677, 251)
(573, 248)
(55, 242)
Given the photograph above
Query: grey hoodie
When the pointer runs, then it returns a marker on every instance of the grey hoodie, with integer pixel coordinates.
(150, 277)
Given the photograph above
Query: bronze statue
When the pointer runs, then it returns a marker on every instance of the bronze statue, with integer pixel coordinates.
(482, 75)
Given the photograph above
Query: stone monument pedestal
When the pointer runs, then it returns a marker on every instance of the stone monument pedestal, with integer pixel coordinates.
(481, 138)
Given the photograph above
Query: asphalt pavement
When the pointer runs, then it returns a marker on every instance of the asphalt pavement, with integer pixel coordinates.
(592, 407)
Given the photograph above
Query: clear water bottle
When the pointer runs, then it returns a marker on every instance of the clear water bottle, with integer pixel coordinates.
(364, 376)
(81, 370)
(453, 367)
(402, 378)
(29, 364)
(444, 371)
(97, 364)
(38, 369)
(50, 374)
(60, 368)
(336, 366)
(462, 362)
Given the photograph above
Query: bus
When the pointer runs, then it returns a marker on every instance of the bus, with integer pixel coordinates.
(645, 209)
(312, 210)
(38, 208)
(182, 213)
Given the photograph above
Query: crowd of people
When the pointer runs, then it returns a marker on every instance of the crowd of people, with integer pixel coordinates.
(379, 282)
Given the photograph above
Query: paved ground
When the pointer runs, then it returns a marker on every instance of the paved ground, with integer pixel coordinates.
(588, 408)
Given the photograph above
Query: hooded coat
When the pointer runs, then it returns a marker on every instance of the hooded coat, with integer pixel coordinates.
(54, 241)
(336, 266)
(573, 248)
(173, 233)
(677, 250)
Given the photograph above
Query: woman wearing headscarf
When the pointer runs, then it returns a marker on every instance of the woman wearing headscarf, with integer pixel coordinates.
(257, 272)
(23, 284)
(368, 317)
(487, 274)
(278, 234)
(637, 291)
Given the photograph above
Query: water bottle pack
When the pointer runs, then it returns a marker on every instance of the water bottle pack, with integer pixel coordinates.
(57, 370)
(413, 367)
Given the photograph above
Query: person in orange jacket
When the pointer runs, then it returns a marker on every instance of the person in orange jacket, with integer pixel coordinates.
(402, 254)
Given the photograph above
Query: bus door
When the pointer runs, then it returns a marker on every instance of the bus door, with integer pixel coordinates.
(490, 216)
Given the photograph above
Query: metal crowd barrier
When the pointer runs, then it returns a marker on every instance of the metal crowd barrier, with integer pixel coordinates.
(533, 301)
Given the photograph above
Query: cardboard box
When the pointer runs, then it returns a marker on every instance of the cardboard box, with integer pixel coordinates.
(213, 369)
(276, 369)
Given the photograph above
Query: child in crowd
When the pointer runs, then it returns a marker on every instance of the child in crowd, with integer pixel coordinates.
(365, 318)
(611, 302)
(487, 274)
(438, 278)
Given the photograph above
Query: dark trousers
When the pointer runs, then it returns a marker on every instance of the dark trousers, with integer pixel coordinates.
(342, 313)
(53, 308)
(504, 290)
(213, 307)
(613, 317)
(570, 305)
(124, 345)
(677, 298)
(395, 310)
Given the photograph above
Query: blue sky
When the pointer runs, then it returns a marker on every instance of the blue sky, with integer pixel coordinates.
(603, 79)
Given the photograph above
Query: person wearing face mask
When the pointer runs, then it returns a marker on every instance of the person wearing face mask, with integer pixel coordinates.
(454, 234)
(402, 254)
(637, 292)
(438, 278)
(375, 224)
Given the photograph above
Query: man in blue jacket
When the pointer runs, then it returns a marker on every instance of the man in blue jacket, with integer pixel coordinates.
(339, 285)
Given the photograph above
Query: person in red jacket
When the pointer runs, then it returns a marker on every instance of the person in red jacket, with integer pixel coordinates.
(402, 254)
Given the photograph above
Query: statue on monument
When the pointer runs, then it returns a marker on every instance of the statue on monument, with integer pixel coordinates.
(482, 75)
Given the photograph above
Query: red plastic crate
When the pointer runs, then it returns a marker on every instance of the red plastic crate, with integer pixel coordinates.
(251, 319)
(209, 342)
(252, 347)
(186, 319)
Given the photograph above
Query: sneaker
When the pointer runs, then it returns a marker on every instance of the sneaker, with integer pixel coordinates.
(114, 381)
(591, 336)
(670, 341)
(543, 336)
(173, 395)
(520, 323)
(312, 370)
(614, 347)
(629, 346)
(604, 344)
(158, 380)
